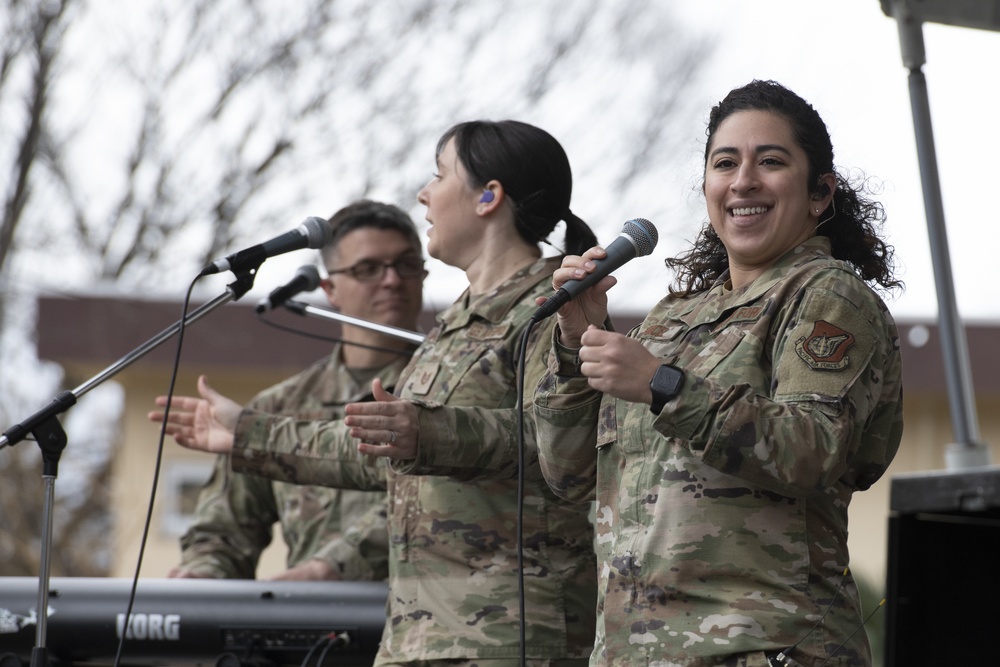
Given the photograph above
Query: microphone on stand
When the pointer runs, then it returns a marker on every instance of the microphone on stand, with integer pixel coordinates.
(313, 233)
(306, 280)
(638, 238)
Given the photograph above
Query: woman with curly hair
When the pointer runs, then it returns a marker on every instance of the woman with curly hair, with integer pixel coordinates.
(724, 437)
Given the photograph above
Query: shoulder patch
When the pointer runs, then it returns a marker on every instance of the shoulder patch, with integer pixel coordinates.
(825, 348)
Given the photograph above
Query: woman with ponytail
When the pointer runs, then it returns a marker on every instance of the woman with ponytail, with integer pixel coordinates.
(450, 428)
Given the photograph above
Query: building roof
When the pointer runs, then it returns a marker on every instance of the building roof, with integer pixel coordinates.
(99, 330)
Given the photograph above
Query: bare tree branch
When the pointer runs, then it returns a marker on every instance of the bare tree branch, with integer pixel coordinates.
(206, 121)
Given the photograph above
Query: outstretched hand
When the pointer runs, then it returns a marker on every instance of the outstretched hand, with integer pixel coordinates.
(205, 424)
(386, 426)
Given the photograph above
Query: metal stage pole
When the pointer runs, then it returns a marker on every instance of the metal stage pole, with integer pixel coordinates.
(967, 451)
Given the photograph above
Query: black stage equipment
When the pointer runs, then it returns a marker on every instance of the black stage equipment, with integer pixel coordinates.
(228, 623)
(942, 583)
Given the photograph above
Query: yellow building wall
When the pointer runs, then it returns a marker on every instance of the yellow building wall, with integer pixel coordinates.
(136, 463)
(926, 433)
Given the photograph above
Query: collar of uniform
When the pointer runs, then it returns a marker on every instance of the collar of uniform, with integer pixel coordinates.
(344, 389)
(494, 306)
(711, 305)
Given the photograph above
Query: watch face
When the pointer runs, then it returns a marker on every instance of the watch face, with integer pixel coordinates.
(666, 384)
(667, 381)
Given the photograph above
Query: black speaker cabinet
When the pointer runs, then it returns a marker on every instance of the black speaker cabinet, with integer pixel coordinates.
(943, 576)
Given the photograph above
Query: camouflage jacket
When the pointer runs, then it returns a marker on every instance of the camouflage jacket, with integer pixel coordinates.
(236, 512)
(722, 522)
(454, 569)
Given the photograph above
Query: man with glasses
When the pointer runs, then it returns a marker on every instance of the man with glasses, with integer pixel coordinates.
(376, 273)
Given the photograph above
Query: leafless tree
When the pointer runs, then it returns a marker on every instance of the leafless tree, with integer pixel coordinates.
(143, 140)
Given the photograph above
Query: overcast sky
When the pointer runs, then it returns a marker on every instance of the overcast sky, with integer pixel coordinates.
(844, 57)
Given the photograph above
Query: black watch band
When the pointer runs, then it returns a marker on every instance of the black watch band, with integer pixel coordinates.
(665, 385)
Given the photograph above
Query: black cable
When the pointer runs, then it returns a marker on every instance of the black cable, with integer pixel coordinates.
(863, 623)
(784, 657)
(156, 474)
(333, 641)
(330, 339)
(520, 487)
(315, 647)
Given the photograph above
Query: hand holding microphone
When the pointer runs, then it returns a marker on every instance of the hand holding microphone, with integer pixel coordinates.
(638, 238)
(613, 363)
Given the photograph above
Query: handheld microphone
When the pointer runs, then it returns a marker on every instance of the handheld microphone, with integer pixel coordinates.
(638, 238)
(313, 233)
(306, 280)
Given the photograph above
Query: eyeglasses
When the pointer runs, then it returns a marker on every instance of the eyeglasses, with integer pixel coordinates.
(372, 270)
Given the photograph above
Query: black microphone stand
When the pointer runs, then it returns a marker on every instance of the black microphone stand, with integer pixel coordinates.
(51, 438)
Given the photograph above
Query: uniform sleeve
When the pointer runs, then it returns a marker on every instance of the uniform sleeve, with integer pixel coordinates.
(361, 553)
(565, 414)
(834, 410)
(303, 452)
(468, 442)
(233, 523)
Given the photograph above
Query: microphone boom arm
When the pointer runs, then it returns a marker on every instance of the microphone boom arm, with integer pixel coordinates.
(304, 309)
(67, 399)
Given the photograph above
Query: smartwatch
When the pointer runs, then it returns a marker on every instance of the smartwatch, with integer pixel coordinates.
(666, 383)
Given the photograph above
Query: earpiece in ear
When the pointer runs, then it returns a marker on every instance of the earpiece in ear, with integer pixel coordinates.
(821, 191)
(487, 197)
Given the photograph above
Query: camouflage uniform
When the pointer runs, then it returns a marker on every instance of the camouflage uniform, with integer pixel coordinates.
(722, 523)
(236, 512)
(454, 570)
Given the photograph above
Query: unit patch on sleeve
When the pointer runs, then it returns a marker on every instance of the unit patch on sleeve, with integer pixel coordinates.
(825, 348)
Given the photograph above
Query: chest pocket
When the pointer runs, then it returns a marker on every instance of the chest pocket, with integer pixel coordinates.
(469, 366)
(661, 340)
(701, 351)
(704, 358)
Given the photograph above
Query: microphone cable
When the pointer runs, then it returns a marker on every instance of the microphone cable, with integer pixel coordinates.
(519, 530)
(863, 623)
(784, 657)
(332, 339)
(126, 625)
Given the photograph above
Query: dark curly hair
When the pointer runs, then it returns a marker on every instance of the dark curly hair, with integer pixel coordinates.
(852, 225)
(535, 173)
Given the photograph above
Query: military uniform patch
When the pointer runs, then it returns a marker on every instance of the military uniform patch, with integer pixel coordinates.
(654, 331)
(422, 378)
(746, 314)
(485, 331)
(825, 348)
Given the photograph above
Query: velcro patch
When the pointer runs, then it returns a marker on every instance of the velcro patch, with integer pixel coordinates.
(484, 331)
(746, 314)
(825, 348)
(420, 381)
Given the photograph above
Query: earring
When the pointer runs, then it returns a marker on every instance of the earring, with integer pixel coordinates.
(833, 214)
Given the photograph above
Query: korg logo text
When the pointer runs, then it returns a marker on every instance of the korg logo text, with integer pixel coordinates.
(151, 626)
